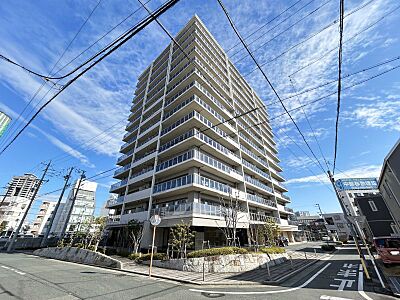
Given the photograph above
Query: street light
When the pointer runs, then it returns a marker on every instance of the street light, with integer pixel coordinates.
(325, 223)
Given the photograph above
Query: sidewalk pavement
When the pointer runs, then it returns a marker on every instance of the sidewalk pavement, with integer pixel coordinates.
(298, 262)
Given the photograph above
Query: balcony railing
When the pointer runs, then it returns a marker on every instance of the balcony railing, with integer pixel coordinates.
(128, 142)
(141, 172)
(189, 209)
(288, 209)
(255, 169)
(122, 169)
(261, 200)
(119, 184)
(119, 200)
(251, 154)
(190, 179)
(126, 155)
(263, 218)
(257, 183)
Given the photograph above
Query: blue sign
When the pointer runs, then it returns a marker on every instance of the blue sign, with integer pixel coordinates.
(357, 184)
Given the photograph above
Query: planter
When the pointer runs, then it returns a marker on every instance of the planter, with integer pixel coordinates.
(222, 263)
(78, 255)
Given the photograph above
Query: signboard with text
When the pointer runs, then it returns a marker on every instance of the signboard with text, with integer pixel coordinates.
(357, 184)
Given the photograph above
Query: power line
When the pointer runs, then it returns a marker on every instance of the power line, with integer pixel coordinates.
(352, 37)
(269, 82)
(54, 66)
(137, 28)
(339, 82)
(261, 27)
(326, 184)
(309, 37)
(285, 30)
(309, 125)
(269, 30)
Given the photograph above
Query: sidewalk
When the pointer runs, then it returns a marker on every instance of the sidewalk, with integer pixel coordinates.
(258, 276)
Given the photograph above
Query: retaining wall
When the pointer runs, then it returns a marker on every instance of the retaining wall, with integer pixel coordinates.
(78, 255)
(222, 263)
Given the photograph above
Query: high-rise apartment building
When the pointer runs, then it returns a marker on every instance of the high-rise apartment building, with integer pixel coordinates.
(4, 122)
(197, 135)
(82, 210)
(15, 201)
(46, 210)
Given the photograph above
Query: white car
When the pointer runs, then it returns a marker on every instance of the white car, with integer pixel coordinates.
(326, 238)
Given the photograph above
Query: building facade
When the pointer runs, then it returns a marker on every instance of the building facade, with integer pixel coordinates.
(15, 201)
(349, 188)
(377, 216)
(4, 122)
(186, 154)
(46, 210)
(389, 183)
(82, 210)
(337, 226)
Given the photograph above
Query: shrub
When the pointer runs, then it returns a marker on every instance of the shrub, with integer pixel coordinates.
(328, 247)
(272, 250)
(339, 243)
(217, 251)
(156, 256)
(134, 256)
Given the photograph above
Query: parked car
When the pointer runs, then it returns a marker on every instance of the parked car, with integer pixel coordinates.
(326, 238)
(388, 248)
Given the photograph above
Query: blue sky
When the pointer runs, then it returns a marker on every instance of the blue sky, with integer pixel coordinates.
(35, 34)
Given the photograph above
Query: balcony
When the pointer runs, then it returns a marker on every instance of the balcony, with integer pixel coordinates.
(255, 169)
(118, 185)
(115, 202)
(261, 200)
(141, 194)
(188, 209)
(128, 143)
(145, 157)
(122, 170)
(140, 216)
(282, 197)
(112, 220)
(258, 184)
(125, 156)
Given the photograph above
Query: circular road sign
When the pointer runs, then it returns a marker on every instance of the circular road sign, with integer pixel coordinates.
(155, 220)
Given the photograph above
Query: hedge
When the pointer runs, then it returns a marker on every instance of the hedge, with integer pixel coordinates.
(134, 256)
(156, 256)
(217, 251)
(272, 250)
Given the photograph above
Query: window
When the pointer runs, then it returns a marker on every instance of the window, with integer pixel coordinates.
(394, 228)
(350, 195)
(372, 205)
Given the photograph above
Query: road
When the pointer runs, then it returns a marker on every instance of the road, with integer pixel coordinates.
(24, 276)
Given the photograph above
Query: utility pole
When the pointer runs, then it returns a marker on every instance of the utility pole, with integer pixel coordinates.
(72, 204)
(51, 221)
(11, 245)
(353, 232)
(325, 223)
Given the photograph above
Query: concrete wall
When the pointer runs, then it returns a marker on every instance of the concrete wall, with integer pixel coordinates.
(80, 256)
(222, 263)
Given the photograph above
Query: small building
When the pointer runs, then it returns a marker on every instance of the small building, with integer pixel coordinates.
(377, 216)
(389, 184)
(337, 226)
(82, 210)
(4, 122)
(45, 211)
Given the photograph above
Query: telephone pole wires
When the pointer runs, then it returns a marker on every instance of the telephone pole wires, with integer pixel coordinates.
(11, 245)
(51, 221)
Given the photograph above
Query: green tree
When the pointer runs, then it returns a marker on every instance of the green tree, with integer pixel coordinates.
(2, 226)
(182, 238)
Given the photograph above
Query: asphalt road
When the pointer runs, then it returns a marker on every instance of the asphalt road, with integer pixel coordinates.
(28, 277)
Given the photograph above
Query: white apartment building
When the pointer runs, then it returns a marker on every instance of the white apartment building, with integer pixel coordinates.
(185, 151)
(16, 199)
(82, 210)
(40, 225)
(4, 122)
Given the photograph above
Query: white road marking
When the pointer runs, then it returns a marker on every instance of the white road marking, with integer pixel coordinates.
(325, 297)
(14, 270)
(343, 283)
(361, 284)
(266, 292)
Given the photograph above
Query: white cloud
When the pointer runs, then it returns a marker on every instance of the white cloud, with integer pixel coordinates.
(357, 172)
(381, 114)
